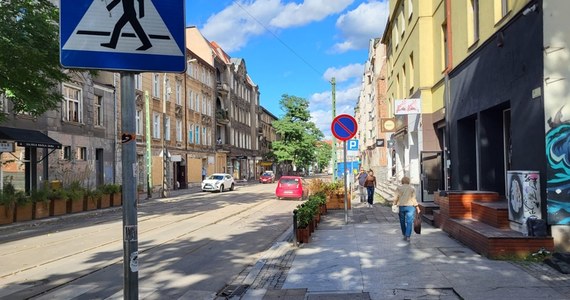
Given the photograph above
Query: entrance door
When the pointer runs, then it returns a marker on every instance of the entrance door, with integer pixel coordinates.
(432, 174)
(99, 172)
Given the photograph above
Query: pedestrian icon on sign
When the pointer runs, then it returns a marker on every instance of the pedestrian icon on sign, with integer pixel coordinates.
(129, 16)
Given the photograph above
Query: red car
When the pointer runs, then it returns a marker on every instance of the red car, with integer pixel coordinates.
(291, 187)
(266, 178)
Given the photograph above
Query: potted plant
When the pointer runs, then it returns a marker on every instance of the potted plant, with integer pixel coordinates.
(105, 196)
(58, 201)
(75, 195)
(116, 195)
(304, 218)
(91, 199)
(24, 207)
(7, 204)
(40, 199)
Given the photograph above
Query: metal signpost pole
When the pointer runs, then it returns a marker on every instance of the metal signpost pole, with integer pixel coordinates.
(129, 166)
(345, 184)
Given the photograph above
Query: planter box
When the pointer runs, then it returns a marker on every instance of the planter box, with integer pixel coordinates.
(105, 201)
(303, 235)
(6, 215)
(336, 201)
(74, 206)
(58, 207)
(41, 210)
(89, 204)
(24, 212)
(117, 199)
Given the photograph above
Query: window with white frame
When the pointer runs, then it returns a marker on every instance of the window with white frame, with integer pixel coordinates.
(139, 122)
(190, 99)
(197, 102)
(156, 125)
(156, 85)
(167, 87)
(178, 92)
(197, 134)
(204, 104)
(138, 82)
(191, 134)
(98, 109)
(72, 104)
(167, 129)
(204, 135)
(66, 152)
(81, 153)
(178, 130)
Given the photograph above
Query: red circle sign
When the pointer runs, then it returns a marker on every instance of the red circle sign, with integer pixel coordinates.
(344, 127)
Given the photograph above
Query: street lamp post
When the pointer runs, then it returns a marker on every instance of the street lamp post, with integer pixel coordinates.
(164, 192)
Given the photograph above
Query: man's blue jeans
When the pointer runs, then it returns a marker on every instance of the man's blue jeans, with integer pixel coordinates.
(407, 214)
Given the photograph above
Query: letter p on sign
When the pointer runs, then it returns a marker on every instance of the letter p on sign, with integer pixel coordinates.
(352, 145)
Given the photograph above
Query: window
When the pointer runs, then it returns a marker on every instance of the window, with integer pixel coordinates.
(156, 85)
(3, 103)
(190, 99)
(472, 22)
(167, 87)
(66, 153)
(139, 122)
(98, 110)
(178, 92)
(197, 102)
(178, 130)
(504, 7)
(167, 128)
(410, 8)
(197, 135)
(204, 105)
(138, 82)
(444, 55)
(191, 134)
(156, 125)
(72, 105)
(204, 135)
(81, 153)
(411, 73)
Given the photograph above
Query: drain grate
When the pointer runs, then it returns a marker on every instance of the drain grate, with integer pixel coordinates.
(233, 290)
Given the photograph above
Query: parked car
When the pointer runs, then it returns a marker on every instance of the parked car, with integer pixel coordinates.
(267, 178)
(218, 182)
(291, 187)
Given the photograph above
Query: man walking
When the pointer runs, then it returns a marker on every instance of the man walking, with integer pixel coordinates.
(361, 188)
(129, 16)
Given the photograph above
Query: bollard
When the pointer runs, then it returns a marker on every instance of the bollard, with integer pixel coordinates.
(295, 241)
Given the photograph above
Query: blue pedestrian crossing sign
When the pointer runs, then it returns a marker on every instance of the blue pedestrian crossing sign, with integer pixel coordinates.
(123, 35)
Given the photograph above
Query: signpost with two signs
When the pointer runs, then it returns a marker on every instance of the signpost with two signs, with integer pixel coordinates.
(344, 127)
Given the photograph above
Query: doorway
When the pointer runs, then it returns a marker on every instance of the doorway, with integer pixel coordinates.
(432, 174)
(99, 171)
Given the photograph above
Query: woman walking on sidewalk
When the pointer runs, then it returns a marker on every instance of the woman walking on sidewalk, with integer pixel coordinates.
(370, 184)
(406, 200)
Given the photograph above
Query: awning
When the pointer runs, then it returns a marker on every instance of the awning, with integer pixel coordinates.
(28, 138)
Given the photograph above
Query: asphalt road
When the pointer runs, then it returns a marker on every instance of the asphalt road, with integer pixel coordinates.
(190, 247)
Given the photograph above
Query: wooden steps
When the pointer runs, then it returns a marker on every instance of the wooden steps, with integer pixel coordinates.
(479, 219)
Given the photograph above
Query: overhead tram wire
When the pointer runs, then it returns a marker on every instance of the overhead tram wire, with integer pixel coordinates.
(278, 39)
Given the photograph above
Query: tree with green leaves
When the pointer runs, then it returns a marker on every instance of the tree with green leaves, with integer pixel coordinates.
(324, 155)
(29, 55)
(298, 135)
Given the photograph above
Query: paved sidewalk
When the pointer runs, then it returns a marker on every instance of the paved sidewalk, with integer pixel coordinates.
(367, 259)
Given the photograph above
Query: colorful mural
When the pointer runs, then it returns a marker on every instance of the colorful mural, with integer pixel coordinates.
(558, 181)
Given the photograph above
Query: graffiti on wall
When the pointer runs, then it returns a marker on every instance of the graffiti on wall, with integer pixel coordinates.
(523, 195)
(558, 180)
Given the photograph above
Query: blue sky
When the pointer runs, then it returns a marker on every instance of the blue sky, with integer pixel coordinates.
(296, 47)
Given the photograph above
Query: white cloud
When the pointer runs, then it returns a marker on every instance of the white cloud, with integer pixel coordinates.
(360, 25)
(234, 26)
(294, 14)
(345, 73)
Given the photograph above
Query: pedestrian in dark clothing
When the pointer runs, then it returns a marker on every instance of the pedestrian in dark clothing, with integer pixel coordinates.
(361, 178)
(370, 185)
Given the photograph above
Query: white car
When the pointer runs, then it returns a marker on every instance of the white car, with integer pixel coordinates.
(218, 182)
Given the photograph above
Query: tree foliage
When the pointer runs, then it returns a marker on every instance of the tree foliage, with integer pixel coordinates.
(29, 55)
(298, 135)
(324, 154)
